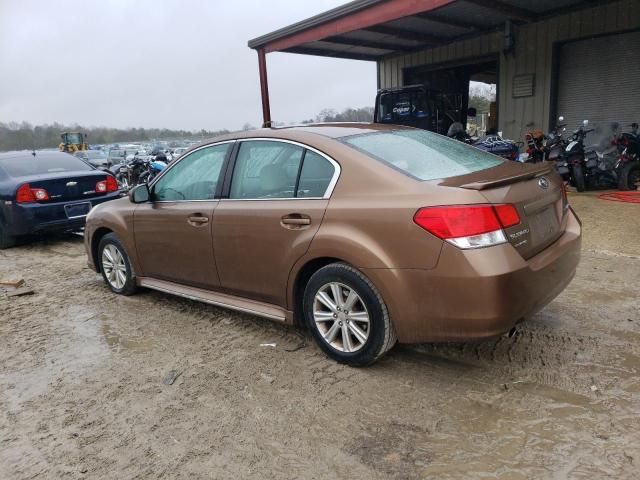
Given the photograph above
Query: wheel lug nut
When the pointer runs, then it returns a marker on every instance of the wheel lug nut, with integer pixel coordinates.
(335, 315)
(340, 323)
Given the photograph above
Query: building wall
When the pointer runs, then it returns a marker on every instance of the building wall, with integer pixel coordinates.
(533, 53)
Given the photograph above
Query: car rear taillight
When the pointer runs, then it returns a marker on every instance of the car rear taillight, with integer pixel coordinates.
(107, 185)
(468, 226)
(26, 194)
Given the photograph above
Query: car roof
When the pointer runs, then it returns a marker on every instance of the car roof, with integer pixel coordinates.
(304, 132)
(343, 129)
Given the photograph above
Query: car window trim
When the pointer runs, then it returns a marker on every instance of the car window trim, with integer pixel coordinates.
(337, 170)
(183, 157)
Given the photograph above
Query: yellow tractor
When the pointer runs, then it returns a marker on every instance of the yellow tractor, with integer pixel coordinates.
(72, 142)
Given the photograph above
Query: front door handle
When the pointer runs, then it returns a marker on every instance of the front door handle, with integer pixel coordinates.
(295, 220)
(197, 220)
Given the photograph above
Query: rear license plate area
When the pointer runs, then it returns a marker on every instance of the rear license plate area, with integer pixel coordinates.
(543, 225)
(77, 210)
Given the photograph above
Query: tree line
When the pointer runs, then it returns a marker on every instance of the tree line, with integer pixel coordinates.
(20, 136)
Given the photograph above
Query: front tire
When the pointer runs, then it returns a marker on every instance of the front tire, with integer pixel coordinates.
(629, 176)
(116, 266)
(577, 171)
(347, 315)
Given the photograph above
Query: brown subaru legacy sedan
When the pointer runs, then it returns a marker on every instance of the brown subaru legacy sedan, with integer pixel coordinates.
(365, 233)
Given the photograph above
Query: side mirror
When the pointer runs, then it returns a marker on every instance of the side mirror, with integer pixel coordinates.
(472, 112)
(561, 118)
(139, 193)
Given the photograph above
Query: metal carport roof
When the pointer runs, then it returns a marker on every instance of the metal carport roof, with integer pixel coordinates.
(372, 29)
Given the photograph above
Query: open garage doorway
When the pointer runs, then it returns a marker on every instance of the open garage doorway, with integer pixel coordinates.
(464, 93)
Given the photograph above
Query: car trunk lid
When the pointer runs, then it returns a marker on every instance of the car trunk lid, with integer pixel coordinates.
(536, 191)
(68, 186)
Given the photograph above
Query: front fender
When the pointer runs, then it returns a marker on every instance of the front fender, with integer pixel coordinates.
(117, 217)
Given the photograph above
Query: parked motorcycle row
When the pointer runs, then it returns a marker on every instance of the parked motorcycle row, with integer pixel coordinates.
(612, 163)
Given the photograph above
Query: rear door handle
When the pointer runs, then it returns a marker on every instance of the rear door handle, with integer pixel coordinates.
(295, 220)
(197, 220)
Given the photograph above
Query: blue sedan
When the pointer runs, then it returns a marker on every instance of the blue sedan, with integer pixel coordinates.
(45, 191)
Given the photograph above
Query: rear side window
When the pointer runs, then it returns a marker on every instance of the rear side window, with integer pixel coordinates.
(423, 155)
(266, 169)
(315, 176)
(42, 164)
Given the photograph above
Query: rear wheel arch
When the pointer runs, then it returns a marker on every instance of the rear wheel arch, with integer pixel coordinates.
(301, 279)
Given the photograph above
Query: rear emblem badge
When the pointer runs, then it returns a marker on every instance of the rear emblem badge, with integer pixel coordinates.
(71, 184)
(543, 183)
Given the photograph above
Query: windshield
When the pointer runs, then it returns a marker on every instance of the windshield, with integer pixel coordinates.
(73, 138)
(423, 155)
(30, 165)
(95, 154)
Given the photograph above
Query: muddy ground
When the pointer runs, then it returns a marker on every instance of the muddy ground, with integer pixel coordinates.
(82, 392)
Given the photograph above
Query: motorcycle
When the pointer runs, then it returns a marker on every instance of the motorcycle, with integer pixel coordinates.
(596, 167)
(137, 171)
(491, 143)
(152, 171)
(628, 164)
(549, 147)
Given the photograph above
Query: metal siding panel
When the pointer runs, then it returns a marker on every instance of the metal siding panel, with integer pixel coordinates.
(593, 86)
(450, 52)
(575, 25)
(612, 19)
(600, 14)
(387, 73)
(486, 45)
(437, 54)
(423, 57)
(394, 72)
(460, 50)
(587, 20)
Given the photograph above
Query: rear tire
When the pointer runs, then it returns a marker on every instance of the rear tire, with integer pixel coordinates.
(116, 266)
(629, 176)
(577, 171)
(347, 315)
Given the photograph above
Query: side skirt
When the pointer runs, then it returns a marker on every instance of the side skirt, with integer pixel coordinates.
(261, 309)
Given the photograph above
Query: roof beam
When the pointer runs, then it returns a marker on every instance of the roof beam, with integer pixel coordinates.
(380, 12)
(357, 42)
(407, 35)
(448, 21)
(510, 11)
(321, 52)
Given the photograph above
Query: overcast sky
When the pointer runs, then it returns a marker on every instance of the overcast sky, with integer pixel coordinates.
(164, 63)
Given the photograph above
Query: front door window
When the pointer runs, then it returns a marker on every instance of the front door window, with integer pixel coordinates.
(194, 177)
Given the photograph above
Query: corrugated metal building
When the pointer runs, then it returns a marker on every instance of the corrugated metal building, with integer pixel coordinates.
(547, 57)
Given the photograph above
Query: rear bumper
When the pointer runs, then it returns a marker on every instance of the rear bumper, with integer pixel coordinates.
(476, 294)
(28, 218)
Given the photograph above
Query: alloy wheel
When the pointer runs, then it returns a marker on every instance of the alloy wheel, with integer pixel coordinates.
(114, 266)
(341, 317)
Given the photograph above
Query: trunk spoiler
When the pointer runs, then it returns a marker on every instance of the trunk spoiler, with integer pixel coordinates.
(510, 177)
